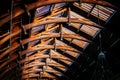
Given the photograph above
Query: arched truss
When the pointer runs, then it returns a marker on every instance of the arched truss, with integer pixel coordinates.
(50, 38)
(18, 11)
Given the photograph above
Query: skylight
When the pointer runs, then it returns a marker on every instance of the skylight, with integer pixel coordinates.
(101, 12)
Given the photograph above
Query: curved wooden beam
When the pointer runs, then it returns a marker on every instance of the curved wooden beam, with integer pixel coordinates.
(29, 8)
(11, 66)
(2, 41)
(30, 75)
(7, 33)
(55, 35)
(45, 74)
(26, 66)
(48, 21)
(37, 56)
(14, 57)
(31, 71)
(34, 58)
(18, 11)
(8, 61)
(73, 36)
(35, 70)
(40, 55)
(5, 48)
(53, 63)
(36, 48)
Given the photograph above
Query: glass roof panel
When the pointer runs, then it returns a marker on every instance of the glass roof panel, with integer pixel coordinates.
(103, 13)
(58, 5)
(42, 10)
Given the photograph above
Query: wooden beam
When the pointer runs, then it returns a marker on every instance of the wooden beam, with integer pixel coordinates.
(5, 48)
(13, 57)
(48, 21)
(60, 57)
(49, 63)
(64, 19)
(51, 70)
(26, 72)
(45, 74)
(36, 70)
(30, 65)
(57, 55)
(30, 75)
(4, 35)
(69, 15)
(18, 11)
(10, 67)
(55, 35)
(40, 55)
(16, 56)
(54, 13)
(47, 47)
(74, 36)
(42, 47)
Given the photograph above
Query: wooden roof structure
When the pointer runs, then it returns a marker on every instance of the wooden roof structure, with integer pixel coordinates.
(42, 39)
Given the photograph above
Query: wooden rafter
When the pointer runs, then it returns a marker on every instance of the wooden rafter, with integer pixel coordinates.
(18, 11)
(40, 48)
(48, 21)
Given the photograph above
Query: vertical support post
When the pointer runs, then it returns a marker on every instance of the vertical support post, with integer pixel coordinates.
(69, 16)
(46, 64)
(19, 55)
(28, 13)
(22, 27)
(61, 37)
(50, 55)
(55, 44)
(21, 44)
(11, 26)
